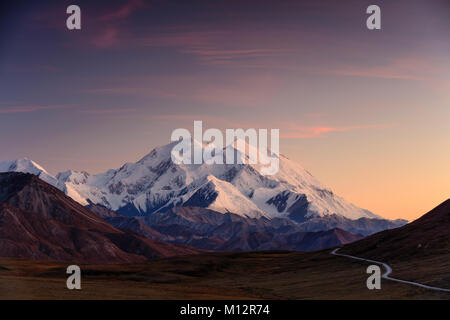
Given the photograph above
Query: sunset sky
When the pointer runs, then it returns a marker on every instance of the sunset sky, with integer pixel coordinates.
(366, 112)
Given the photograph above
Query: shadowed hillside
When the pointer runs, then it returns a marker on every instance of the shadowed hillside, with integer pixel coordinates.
(419, 250)
(38, 221)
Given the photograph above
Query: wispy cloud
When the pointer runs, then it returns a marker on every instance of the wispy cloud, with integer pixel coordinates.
(219, 56)
(401, 68)
(124, 11)
(209, 121)
(287, 130)
(245, 90)
(110, 29)
(28, 109)
(299, 132)
(106, 38)
(210, 47)
(112, 111)
(373, 73)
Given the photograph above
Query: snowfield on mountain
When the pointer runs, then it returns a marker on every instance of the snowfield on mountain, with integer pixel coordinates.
(155, 184)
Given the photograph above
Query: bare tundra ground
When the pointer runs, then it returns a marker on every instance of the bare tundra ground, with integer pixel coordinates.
(261, 275)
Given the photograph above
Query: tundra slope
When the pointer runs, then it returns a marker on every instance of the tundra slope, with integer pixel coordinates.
(418, 252)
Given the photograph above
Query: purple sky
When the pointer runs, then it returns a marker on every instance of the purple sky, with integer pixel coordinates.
(367, 112)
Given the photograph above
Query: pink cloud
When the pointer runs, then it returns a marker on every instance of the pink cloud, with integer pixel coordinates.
(209, 121)
(27, 109)
(107, 38)
(108, 111)
(402, 68)
(373, 73)
(287, 130)
(211, 47)
(110, 29)
(298, 132)
(251, 91)
(124, 11)
(178, 37)
(227, 56)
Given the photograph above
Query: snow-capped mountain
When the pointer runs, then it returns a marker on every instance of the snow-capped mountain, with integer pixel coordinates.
(212, 206)
(28, 166)
(155, 184)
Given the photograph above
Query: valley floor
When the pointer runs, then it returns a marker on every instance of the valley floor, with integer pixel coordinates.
(257, 275)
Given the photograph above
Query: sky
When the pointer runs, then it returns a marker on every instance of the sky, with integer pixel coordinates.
(367, 112)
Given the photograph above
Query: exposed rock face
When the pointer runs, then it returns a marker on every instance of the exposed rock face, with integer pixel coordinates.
(206, 229)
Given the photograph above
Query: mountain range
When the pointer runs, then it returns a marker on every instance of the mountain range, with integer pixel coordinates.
(155, 184)
(162, 208)
(210, 230)
(38, 221)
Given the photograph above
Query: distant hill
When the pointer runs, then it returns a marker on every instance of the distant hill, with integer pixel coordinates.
(418, 251)
(38, 221)
(428, 235)
(210, 230)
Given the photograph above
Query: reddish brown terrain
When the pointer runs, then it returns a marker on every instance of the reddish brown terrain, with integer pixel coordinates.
(244, 275)
(38, 221)
(48, 230)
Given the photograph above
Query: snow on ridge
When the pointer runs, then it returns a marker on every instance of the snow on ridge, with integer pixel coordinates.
(155, 183)
(22, 165)
(26, 165)
(229, 199)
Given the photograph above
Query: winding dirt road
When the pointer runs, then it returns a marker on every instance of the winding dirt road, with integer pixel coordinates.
(389, 271)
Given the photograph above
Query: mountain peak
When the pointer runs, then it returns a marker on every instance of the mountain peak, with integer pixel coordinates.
(155, 184)
(26, 165)
(159, 152)
(22, 165)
